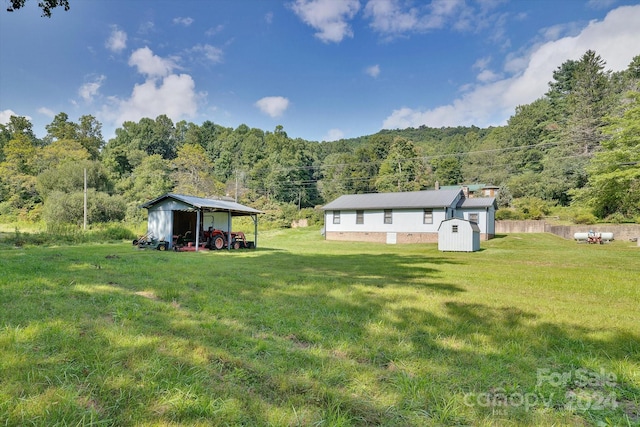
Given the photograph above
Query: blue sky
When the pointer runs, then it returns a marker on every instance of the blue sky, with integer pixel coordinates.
(323, 69)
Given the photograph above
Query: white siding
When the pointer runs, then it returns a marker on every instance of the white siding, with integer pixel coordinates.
(466, 239)
(404, 221)
(491, 221)
(161, 224)
(218, 220)
(486, 218)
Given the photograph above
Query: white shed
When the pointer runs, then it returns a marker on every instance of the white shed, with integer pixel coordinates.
(458, 235)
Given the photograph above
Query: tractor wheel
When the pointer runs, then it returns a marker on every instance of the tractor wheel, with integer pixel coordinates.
(162, 247)
(236, 245)
(218, 242)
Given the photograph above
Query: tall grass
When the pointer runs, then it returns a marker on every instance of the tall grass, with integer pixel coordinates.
(64, 234)
(532, 330)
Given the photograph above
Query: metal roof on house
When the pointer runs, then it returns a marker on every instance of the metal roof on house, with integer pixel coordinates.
(477, 202)
(402, 200)
(206, 204)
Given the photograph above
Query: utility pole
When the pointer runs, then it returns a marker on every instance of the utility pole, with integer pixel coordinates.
(85, 199)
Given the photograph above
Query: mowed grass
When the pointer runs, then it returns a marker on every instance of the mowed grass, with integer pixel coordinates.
(532, 330)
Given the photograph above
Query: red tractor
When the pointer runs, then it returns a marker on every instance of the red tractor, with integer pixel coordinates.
(217, 239)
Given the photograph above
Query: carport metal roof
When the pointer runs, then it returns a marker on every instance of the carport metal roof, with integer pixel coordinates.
(200, 203)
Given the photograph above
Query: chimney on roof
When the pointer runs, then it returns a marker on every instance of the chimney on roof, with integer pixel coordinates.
(437, 185)
(465, 191)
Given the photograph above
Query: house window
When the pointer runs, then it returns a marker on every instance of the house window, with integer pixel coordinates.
(428, 216)
(359, 217)
(336, 217)
(454, 228)
(388, 218)
(473, 217)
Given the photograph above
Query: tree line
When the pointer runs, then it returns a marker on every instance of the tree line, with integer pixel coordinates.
(577, 147)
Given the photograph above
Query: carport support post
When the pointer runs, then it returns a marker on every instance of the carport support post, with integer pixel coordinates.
(197, 229)
(228, 230)
(255, 230)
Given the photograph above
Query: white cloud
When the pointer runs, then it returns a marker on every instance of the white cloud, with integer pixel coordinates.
(273, 106)
(90, 89)
(486, 76)
(373, 71)
(117, 41)
(173, 95)
(333, 135)
(47, 112)
(208, 52)
(388, 17)
(268, 18)
(5, 116)
(482, 63)
(396, 17)
(146, 27)
(443, 11)
(558, 31)
(151, 65)
(329, 17)
(492, 102)
(214, 30)
(600, 4)
(162, 92)
(186, 21)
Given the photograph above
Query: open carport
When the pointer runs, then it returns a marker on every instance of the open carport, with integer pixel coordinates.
(174, 216)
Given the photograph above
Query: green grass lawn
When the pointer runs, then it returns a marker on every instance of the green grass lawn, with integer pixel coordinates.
(532, 330)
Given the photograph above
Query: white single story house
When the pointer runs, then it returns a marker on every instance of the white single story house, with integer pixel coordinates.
(458, 235)
(176, 214)
(404, 217)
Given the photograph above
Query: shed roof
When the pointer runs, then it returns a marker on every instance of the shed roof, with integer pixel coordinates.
(472, 224)
(406, 200)
(205, 204)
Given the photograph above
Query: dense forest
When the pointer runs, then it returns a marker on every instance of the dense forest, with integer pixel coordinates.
(575, 150)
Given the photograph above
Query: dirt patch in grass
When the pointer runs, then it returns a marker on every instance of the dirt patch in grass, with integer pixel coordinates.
(147, 294)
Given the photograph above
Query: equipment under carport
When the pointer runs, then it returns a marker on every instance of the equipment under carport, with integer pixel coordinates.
(147, 241)
(213, 239)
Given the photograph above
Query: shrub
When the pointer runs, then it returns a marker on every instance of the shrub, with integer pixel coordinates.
(134, 213)
(115, 232)
(585, 218)
(61, 232)
(618, 218)
(68, 208)
(532, 207)
(7, 213)
(313, 216)
(507, 214)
